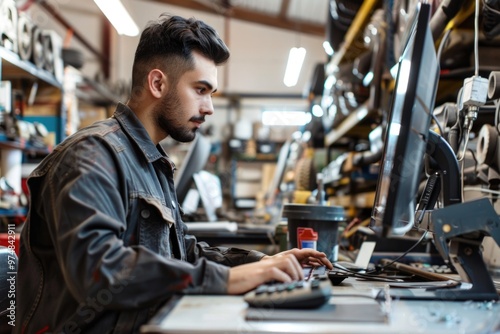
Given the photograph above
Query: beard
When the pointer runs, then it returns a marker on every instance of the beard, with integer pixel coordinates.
(165, 116)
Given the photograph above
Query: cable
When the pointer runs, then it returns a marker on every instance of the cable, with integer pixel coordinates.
(462, 156)
(368, 276)
(374, 274)
(426, 109)
(475, 159)
(484, 190)
(405, 253)
(402, 230)
(473, 86)
(476, 39)
(461, 159)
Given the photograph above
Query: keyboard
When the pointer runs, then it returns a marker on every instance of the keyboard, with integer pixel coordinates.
(302, 294)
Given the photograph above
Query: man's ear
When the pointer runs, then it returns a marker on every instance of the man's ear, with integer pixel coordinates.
(157, 83)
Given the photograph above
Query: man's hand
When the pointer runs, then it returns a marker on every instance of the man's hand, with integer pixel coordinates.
(306, 256)
(283, 268)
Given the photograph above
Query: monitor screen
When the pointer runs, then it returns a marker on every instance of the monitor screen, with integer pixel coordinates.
(401, 167)
(194, 161)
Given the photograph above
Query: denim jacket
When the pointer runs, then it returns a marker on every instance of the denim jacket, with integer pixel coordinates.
(104, 245)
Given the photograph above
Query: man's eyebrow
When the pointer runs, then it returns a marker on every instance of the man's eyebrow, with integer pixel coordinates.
(208, 84)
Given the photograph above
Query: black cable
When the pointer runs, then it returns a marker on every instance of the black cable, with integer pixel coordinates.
(404, 254)
(347, 272)
(475, 160)
(374, 274)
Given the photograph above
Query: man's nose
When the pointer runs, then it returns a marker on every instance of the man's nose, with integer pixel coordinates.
(207, 106)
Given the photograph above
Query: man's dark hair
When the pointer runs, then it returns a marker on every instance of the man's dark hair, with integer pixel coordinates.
(168, 44)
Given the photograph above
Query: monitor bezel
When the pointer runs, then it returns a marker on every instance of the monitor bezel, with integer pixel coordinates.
(399, 174)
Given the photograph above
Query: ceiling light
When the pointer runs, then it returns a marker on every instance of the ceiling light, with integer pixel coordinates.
(285, 118)
(294, 65)
(317, 110)
(118, 16)
(328, 48)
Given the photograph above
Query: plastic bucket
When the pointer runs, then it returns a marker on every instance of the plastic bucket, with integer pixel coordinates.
(322, 219)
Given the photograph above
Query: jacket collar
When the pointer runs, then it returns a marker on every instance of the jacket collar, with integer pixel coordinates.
(138, 134)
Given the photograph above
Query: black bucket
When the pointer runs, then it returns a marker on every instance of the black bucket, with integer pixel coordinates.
(322, 219)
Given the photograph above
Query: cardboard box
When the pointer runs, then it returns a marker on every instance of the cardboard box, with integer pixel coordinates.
(91, 114)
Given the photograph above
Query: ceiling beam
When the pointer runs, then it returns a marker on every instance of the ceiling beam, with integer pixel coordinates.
(277, 21)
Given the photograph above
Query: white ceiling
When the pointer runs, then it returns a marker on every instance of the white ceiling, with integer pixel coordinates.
(307, 16)
(258, 51)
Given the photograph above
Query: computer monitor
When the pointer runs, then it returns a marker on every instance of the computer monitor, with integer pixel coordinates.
(457, 227)
(407, 130)
(194, 161)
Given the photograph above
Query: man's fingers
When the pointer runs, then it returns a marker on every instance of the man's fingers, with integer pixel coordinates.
(280, 275)
(291, 265)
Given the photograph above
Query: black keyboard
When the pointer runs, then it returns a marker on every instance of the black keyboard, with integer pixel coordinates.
(297, 295)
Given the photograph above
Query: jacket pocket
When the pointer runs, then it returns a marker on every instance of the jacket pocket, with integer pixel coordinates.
(155, 220)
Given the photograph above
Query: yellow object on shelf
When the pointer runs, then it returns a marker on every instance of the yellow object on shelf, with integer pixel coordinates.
(301, 196)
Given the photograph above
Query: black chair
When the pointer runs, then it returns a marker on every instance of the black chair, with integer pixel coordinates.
(8, 272)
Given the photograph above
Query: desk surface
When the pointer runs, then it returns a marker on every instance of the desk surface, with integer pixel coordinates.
(226, 314)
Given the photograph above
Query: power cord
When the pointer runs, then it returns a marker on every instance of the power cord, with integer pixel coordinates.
(419, 241)
(375, 274)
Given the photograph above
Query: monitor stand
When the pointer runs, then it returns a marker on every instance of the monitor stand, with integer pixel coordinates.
(459, 229)
(466, 225)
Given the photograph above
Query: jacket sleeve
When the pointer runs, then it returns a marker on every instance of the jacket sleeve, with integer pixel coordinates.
(223, 255)
(84, 204)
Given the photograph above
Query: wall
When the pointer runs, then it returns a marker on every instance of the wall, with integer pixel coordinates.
(257, 63)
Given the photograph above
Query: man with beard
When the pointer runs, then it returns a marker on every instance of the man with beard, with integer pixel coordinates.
(104, 245)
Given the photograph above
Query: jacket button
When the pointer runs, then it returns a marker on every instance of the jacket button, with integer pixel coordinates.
(145, 213)
(173, 204)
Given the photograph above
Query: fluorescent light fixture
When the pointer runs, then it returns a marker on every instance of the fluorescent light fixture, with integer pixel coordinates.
(118, 16)
(317, 111)
(329, 82)
(328, 48)
(285, 118)
(367, 80)
(294, 65)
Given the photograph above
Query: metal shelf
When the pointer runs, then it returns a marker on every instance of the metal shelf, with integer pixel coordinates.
(347, 124)
(355, 30)
(13, 67)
